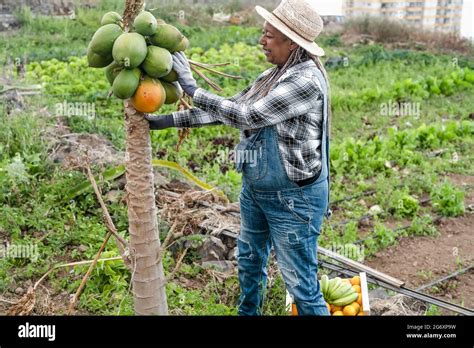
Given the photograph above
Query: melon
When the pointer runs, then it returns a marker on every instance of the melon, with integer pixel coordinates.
(149, 96)
(171, 77)
(129, 50)
(111, 18)
(97, 61)
(173, 92)
(183, 45)
(158, 62)
(111, 71)
(145, 24)
(126, 83)
(103, 40)
(167, 36)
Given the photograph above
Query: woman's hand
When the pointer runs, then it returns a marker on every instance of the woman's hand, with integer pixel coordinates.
(159, 122)
(185, 76)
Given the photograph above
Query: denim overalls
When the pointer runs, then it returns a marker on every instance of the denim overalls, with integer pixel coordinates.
(276, 212)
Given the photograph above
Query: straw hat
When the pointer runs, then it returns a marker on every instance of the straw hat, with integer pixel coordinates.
(297, 20)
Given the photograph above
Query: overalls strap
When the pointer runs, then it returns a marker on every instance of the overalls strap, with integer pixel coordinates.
(325, 136)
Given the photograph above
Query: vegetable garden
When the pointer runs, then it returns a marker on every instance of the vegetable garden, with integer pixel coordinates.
(401, 167)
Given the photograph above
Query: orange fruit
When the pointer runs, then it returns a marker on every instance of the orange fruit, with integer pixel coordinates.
(338, 313)
(361, 314)
(359, 300)
(356, 306)
(329, 307)
(355, 280)
(356, 288)
(349, 311)
(336, 308)
(149, 96)
(294, 311)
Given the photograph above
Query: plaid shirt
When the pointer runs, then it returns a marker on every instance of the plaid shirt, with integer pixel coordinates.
(294, 105)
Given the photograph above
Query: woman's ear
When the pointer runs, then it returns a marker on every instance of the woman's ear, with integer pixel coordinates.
(293, 46)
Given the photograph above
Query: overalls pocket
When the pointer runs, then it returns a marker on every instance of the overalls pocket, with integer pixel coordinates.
(254, 159)
(297, 204)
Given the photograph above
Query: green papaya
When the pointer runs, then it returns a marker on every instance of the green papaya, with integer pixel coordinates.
(103, 39)
(145, 24)
(183, 45)
(171, 77)
(158, 62)
(111, 71)
(97, 61)
(173, 92)
(111, 18)
(155, 13)
(126, 83)
(130, 50)
(166, 36)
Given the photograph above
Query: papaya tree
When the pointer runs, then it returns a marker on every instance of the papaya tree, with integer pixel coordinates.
(148, 279)
(142, 76)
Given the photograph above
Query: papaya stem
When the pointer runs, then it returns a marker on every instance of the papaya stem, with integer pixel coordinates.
(182, 100)
(208, 80)
(207, 64)
(217, 72)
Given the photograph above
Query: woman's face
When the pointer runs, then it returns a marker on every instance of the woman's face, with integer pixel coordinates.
(276, 46)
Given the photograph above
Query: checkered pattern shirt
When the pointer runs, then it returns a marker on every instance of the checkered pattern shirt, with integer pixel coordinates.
(294, 105)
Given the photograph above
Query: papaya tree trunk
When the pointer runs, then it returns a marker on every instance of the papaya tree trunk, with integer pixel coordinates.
(148, 279)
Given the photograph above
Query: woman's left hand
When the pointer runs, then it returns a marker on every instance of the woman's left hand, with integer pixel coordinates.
(185, 75)
(159, 122)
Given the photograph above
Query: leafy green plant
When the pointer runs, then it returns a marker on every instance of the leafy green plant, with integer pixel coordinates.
(383, 235)
(350, 232)
(448, 200)
(422, 226)
(403, 204)
(433, 310)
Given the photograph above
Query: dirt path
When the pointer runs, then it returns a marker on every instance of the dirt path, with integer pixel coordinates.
(420, 260)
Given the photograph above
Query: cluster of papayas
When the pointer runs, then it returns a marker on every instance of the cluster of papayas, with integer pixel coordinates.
(138, 63)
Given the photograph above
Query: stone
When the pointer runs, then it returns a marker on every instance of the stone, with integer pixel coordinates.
(221, 266)
(212, 249)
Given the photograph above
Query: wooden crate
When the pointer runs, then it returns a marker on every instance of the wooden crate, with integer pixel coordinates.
(364, 289)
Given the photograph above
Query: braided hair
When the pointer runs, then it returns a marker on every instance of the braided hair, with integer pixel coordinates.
(262, 87)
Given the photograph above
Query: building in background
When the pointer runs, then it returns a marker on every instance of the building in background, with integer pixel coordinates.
(444, 15)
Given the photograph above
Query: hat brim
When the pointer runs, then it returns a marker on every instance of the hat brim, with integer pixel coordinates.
(309, 46)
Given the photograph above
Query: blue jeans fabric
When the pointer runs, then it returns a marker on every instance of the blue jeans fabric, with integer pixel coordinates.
(290, 221)
(276, 212)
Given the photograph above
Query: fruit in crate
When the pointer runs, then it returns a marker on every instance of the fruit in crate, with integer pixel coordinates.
(343, 295)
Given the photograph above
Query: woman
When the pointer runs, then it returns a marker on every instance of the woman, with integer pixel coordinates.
(283, 154)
